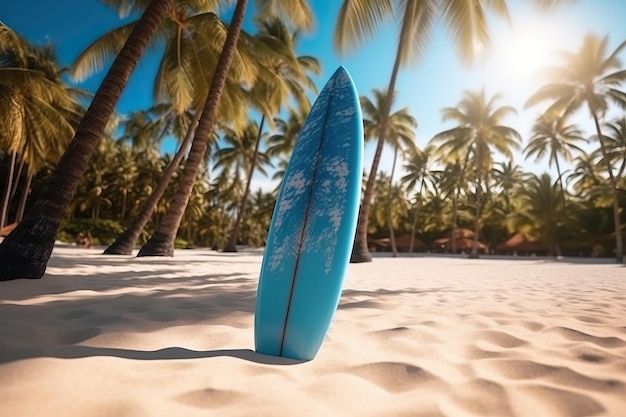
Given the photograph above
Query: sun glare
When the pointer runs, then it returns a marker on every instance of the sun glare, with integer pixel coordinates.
(524, 51)
(528, 53)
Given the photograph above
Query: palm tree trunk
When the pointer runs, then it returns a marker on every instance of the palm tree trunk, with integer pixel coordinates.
(479, 189)
(455, 210)
(25, 252)
(392, 235)
(162, 241)
(125, 243)
(25, 193)
(360, 251)
(619, 244)
(414, 225)
(231, 246)
(457, 194)
(413, 228)
(123, 210)
(16, 183)
(4, 213)
(557, 246)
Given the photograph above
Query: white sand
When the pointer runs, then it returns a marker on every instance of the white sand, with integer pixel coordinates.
(425, 336)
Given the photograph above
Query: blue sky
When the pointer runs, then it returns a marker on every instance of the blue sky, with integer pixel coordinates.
(436, 81)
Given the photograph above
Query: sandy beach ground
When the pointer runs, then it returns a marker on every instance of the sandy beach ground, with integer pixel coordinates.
(422, 336)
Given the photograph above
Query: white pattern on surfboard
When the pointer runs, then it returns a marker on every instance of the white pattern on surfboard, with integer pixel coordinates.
(334, 176)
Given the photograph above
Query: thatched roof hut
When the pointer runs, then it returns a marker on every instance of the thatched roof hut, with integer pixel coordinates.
(403, 243)
(521, 242)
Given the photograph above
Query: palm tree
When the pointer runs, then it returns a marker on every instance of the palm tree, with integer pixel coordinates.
(162, 241)
(586, 176)
(254, 230)
(541, 214)
(616, 147)
(400, 134)
(38, 112)
(434, 214)
(25, 252)
(479, 130)
(389, 208)
(192, 37)
(125, 242)
(281, 143)
(283, 76)
(141, 131)
(418, 171)
(507, 176)
(452, 182)
(551, 133)
(358, 20)
(189, 40)
(588, 77)
(242, 153)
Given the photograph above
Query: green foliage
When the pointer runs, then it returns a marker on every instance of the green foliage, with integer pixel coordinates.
(103, 231)
(180, 243)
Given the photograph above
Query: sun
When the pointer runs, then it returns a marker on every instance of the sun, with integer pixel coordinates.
(524, 51)
(528, 52)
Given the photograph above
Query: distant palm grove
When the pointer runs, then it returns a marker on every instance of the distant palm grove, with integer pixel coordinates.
(235, 101)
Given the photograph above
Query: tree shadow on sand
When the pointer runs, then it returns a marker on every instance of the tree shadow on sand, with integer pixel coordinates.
(83, 298)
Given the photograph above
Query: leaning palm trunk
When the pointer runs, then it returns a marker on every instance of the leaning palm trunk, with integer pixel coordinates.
(26, 251)
(125, 243)
(360, 251)
(619, 244)
(162, 241)
(234, 234)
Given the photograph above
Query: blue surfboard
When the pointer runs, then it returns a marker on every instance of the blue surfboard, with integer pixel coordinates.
(312, 230)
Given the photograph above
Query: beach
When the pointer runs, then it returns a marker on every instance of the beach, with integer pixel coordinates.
(413, 336)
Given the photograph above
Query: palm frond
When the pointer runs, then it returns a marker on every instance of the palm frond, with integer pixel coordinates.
(550, 4)
(502, 112)
(467, 24)
(618, 97)
(358, 21)
(417, 22)
(296, 12)
(100, 52)
(126, 8)
(612, 59)
(11, 44)
(11, 77)
(616, 78)
(12, 116)
(552, 91)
